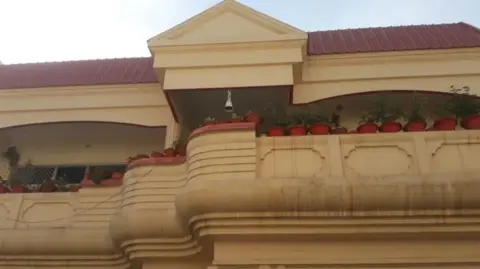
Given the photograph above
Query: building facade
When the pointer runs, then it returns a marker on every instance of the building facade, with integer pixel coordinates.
(208, 185)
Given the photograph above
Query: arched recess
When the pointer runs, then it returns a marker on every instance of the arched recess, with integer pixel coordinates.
(354, 106)
(311, 92)
(145, 116)
(80, 143)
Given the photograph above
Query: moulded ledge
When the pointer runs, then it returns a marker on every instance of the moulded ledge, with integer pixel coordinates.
(61, 241)
(156, 161)
(341, 197)
(106, 182)
(223, 127)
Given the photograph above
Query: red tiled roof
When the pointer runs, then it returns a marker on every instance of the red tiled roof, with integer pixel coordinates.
(77, 73)
(398, 38)
(140, 70)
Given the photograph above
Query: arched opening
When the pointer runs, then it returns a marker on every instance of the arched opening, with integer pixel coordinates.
(67, 151)
(349, 111)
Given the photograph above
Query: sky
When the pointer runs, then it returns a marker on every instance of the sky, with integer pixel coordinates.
(61, 30)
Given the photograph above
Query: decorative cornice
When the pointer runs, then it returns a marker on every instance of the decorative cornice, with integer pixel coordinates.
(198, 48)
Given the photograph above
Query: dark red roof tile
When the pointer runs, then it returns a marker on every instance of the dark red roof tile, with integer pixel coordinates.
(398, 38)
(77, 73)
(140, 70)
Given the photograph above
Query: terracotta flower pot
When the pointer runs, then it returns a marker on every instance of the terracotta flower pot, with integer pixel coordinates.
(170, 152)
(416, 126)
(208, 123)
(339, 130)
(276, 131)
(319, 129)
(4, 189)
(471, 122)
(447, 124)
(391, 127)
(254, 117)
(157, 154)
(137, 157)
(367, 128)
(47, 187)
(181, 150)
(117, 175)
(236, 120)
(74, 188)
(19, 189)
(297, 130)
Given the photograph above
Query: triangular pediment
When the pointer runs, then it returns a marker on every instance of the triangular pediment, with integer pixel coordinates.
(227, 22)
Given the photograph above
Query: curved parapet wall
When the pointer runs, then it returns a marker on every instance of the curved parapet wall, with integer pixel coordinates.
(234, 185)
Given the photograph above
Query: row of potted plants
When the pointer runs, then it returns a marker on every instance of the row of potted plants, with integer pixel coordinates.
(461, 107)
(46, 187)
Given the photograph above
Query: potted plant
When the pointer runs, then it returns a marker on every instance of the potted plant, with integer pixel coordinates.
(236, 118)
(48, 186)
(137, 157)
(98, 175)
(170, 152)
(336, 128)
(4, 186)
(383, 115)
(319, 125)
(299, 124)
(253, 117)
(74, 187)
(20, 177)
(157, 154)
(209, 121)
(464, 106)
(279, 128)
(415, 122)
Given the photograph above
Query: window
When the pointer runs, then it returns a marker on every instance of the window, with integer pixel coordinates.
(69, 174)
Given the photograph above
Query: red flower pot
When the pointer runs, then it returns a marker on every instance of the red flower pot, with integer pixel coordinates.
(367, 128)
(319, 129)
(448, 124)
(339, 130)
(74, 188)
(276, 131)
(391, 127)
(170, 152)
(4, 189)
(416, 126)
(471, 122)
(47, 187)
(297, 130)
(117, 175)
(157, 154)
(181, 150)
(19, 189)
(254, 117)
(137, 157)
(209, 123)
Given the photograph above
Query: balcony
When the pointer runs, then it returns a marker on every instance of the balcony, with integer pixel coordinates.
(235, 182)
(230, 177)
